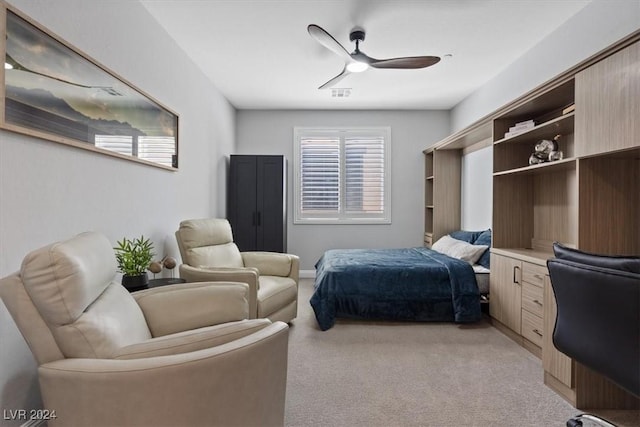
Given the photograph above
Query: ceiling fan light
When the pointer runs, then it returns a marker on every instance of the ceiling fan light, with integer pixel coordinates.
(8, 66)
(357, 66)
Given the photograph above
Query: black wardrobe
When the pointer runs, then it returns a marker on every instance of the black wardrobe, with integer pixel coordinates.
(257, 202)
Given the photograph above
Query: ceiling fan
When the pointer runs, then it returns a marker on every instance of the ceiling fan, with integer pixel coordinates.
(358, 61)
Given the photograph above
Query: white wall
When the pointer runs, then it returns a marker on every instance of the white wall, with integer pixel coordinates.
(477, 189)
(271, 132)
(49, 191)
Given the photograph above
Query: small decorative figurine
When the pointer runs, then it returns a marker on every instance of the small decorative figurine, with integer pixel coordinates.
(546, 151)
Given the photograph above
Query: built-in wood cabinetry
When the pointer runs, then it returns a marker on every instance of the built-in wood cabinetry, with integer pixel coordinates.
(442, 193)
(555, 364)
(588, 199)
(505, 283)
(607, 96)
(517, 296)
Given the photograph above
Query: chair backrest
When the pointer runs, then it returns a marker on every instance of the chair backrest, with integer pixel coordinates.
(64, 296)
(598, 315)
(208, 243)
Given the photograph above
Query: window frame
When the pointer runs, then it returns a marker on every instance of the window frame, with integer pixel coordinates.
(341, 132)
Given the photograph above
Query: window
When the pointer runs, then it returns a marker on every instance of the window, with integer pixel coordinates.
(342, 175)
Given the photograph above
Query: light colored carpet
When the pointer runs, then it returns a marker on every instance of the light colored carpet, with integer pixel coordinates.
(364, 373)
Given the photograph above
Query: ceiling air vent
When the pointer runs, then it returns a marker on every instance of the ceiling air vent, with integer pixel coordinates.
(340, 92)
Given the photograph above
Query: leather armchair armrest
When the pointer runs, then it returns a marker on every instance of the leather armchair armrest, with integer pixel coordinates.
(216, 386)
(184, 307)
(272, 263)
(222, 274)
(193, 340)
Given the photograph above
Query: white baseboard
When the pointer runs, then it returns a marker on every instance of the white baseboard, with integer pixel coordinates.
(307, 274)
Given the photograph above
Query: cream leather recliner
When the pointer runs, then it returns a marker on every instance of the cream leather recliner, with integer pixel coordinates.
(166, 356)
(209, 254)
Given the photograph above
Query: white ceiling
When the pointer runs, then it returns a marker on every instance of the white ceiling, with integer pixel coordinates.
(260, 56)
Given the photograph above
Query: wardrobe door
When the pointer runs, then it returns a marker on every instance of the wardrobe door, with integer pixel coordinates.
(608, 104)
(271, 204)
(242, 209)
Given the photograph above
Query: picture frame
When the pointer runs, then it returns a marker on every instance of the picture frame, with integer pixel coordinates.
(51, 90)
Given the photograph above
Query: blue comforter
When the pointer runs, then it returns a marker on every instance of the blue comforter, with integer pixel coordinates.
(416, 284)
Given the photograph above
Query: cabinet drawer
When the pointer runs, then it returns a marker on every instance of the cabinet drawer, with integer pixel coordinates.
(427, 240)
(534, 274)
(532, 298)
(532, 327)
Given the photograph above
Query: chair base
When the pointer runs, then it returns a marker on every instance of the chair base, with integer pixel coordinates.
(592, 420)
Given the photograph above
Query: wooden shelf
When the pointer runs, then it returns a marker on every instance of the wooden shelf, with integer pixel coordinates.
(562, 125)
(513, 153)
(442, 192)
(558, 165)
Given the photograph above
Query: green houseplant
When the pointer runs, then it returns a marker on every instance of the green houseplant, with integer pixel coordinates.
(133, 257)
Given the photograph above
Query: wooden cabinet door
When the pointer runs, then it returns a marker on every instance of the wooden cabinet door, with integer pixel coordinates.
(553, 362)
(506, 291)
(608, 104)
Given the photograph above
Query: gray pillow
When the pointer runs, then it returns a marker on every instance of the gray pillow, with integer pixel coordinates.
(465, 236)
(484, 239)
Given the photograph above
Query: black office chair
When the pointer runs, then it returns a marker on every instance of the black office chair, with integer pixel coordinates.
(598, 320)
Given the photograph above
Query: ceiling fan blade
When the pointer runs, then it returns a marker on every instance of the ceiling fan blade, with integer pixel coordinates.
(409, 62)
(326, 40)
(336, 79)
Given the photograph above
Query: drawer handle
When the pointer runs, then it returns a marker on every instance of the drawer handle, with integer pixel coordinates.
(537, 332)
(537, 276)
(537, 302)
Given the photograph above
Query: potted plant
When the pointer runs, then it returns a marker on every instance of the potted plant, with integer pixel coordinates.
(133, 257)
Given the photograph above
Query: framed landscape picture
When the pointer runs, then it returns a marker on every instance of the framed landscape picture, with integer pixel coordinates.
(52, 91)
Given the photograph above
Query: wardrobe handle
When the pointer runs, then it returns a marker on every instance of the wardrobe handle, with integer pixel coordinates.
(515, 278)
(253, 219)
(259, 218)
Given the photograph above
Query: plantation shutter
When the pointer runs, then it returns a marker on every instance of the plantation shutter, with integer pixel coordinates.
(364, 175)
(342, 175)
(319, 176)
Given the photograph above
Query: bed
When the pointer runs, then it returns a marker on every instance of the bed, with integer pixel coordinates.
(411, 284)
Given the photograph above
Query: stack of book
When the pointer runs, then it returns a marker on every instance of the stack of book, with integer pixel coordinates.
(519, 128)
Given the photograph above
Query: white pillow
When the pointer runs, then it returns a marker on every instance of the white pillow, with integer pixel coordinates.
(458, 249)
